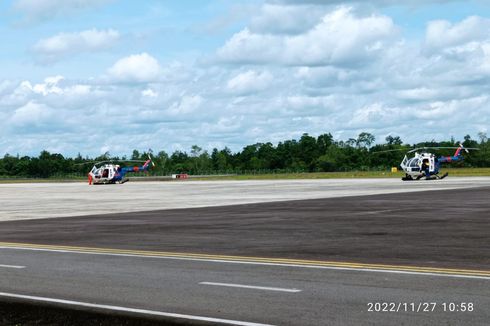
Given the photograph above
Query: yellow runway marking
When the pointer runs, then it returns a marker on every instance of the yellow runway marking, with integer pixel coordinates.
(256, 260)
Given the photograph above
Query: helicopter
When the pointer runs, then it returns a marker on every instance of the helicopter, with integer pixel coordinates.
(425, 164)
(107, 172)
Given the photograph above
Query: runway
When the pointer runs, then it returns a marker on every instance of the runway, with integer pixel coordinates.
(319, 296)
(48, 200)
(316, 261)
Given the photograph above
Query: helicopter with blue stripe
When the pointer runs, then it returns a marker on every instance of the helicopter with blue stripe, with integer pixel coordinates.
(107, 172)
(427, 165)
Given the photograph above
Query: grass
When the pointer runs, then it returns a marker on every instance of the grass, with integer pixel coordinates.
(469, 172)
(41, 180)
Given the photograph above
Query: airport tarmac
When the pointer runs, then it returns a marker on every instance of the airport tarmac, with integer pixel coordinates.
(446, 228)
(221, 292)
(47, 200)
(320, 258)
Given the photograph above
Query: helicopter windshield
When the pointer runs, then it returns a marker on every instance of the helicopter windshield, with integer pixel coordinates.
(414, 162)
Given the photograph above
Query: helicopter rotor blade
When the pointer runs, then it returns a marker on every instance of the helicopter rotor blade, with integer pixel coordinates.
(390, 150)
(149, 157)
(442, 147)
(109, 161)
(92, 162)
(83, 163)
(467, 149)
(415, 149)
(431, 147)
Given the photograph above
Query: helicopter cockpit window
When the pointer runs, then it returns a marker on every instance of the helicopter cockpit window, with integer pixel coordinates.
(105, 174)
(414, 163)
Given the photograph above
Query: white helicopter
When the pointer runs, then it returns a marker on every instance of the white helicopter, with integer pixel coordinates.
(427, 165)
(108, 173)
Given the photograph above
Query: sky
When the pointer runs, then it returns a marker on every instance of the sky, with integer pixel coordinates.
(96, 76)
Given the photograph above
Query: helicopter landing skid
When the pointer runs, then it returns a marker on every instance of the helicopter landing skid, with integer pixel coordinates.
(124, 180)
(432, 177)
(436, 177)
(443, 176)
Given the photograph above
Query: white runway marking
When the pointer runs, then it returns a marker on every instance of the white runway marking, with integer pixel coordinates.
(251, 287)
(12, 266)
(132, 310)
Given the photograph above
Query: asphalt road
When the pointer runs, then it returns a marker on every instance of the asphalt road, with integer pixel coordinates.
(348, 238)
(196, 289)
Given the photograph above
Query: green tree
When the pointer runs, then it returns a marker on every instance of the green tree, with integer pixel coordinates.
(390, 140)
(323, 142)
(308, 152)
(483, 137)
(136, 155)
(365, 140)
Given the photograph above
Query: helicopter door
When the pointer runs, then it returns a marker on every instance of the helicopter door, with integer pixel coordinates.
(105, 173)
(432, 166)
(404, 163)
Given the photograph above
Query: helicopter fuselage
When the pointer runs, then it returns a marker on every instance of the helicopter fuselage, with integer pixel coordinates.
(421, 165)
(113, 173)
(427, 165)
(107, 173)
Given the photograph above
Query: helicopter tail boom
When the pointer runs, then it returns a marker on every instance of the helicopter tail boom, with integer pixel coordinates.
(146, 165)
(143, 168)
(456, 157)
(458, 151)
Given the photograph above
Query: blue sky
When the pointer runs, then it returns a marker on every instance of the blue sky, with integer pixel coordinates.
(92, 76)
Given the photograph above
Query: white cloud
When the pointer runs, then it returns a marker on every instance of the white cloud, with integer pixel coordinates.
(50, 85)
(38, 10)
(346, 74)
(371, 2)
(442, 34)
(138, 68)
(186, 105)
(419, 94)
(341, 38)
(280, 19)
(249, 81)
(31, 114)
(312, 105)
(54, 86)
(67, 44)
(149, 93)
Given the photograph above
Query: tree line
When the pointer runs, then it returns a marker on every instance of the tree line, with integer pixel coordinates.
(306, 154)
